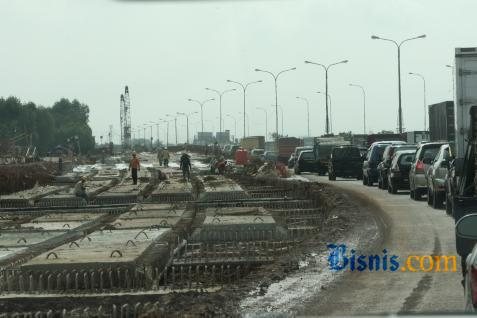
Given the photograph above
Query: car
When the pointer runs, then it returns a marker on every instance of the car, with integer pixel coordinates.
(383, 166)
(373, 157)
(256, 153)
(436, 176)
(466, 239)
(269, 156)
(295, 154)
(398, 176)
(426, 152)
(345, 161)
(306, 162)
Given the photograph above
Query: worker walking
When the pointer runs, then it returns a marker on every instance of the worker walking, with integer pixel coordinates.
(165, 157)
(186, 166)
(134, 166)
(80, 189)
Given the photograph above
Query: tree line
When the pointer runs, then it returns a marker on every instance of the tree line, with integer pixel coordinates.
(64, 124)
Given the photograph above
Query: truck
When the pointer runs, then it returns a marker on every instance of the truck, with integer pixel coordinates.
(253, 142)
(442, 121)
(286, 146)
(414, 137)
(384, 137)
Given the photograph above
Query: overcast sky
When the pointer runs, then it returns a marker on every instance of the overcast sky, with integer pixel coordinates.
(169, 51)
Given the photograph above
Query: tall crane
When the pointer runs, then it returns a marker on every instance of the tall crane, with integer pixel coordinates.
(125, 118)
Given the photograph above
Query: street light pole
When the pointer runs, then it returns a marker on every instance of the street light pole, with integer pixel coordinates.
(220, 101)
(235, 124)
(266, 121)
(453, 81)
(307, 112)
(398, 46)
(187, 120)
(425, 104)
(248, 122)
(275, 78)
(364, 105)
(244, 88)
(326, 68)
(201, 104)
(328, 98)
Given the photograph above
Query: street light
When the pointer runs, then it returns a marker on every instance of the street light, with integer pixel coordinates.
(364, 105)
(201, 104)
(266, 121)
(248, 122)
(244, 88)
(235, 124)
(281, 110)
(331, 118)
(326, 68)
(425, 106)
(453, 79)
(167, 129)
(175, 125)
(307, 112)
(187, 117)
(374, 37)
(275, 78)
(220, 101)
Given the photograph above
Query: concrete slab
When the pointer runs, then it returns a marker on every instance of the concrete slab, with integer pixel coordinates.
(219, 211)
(26, 238)
(145, 223)
(217, 188)
(28, 197)
(101, 248)
(61, 221)
(154, 211)
(121, 193)
(51, 226)
(172, 190)
(6, 253)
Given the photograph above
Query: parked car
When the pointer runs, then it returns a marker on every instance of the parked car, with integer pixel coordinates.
(256, 153)
(398, 176)
(466, 239)
(436, 176)
(306, 162)
(425, 154)
(383, 166)
(269, 156)
(373, 157)
(345, 162)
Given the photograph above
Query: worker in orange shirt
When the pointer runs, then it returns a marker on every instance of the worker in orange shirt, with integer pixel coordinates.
(134, 166)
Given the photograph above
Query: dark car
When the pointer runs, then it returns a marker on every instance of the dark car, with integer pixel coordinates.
(370, 163)
(295, 154)
(425, 154)
(398, 176)
(306, 162)
(436, 176)
(383, 166)
(345, 161)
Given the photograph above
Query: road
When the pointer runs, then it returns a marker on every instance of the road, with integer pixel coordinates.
(410, 228)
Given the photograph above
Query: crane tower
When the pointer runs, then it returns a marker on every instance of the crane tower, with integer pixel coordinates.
(125, 118)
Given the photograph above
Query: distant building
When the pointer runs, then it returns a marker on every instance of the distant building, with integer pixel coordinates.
(223, 137)
(204, 138)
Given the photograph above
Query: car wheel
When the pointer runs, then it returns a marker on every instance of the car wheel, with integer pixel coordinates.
(437, 200)
(359, 177)
(417, 194)
(370, 182)
(297, 171)
(331, 177)
(429, 196)
(393, 188)
(389, 189)
(380, 183)
(365, 182)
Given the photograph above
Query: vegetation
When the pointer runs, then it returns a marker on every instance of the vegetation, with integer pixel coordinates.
(64, 124)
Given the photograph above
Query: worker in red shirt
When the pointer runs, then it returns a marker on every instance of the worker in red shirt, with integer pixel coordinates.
(134, 166)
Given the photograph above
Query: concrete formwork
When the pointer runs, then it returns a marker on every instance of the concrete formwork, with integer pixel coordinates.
(215, 188)
(61, 221)
(122, 193)
(172, 190)
(27, 198)
(13, 239)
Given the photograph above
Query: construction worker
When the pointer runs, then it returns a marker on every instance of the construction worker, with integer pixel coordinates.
(134, 166)
(221, 165)
(186, 166)
(160, 154)
(166, 156)
(80, 189)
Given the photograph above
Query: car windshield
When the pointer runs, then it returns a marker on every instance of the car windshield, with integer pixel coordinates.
(307, 155)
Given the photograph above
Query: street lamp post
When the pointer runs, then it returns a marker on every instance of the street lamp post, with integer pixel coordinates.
(364, 105)
(187, 120)
(398, 45)
(266, 121)
(307, 112)
(326, 68)
(328, 99)
(201, 104)
(220, 101)
(453, 81)
(275, 78)
(281, 110)
(167, 131)
(175, 125)
(425, 106)
(244, 88)
(248, 122)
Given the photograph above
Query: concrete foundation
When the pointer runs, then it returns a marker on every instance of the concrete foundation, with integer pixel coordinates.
(215, 188)
(172, 190)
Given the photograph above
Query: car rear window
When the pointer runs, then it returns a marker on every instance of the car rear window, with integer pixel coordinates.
(307, 156)
(377, 153)
(406, 160)
(429, 152)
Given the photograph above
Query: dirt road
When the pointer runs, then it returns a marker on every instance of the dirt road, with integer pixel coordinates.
(410, 228)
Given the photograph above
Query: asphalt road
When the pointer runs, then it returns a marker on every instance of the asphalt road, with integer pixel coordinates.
(409, 228)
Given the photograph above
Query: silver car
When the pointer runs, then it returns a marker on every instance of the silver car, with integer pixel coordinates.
(425, 154)
(466, 238)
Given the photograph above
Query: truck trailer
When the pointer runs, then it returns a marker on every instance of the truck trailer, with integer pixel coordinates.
(442, 121)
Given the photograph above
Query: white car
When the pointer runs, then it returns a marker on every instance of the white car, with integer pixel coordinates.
(466, 243)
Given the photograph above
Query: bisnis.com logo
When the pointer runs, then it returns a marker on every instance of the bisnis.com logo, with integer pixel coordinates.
(341, 259)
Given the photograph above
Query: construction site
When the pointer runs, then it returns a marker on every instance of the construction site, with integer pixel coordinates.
(146, 249)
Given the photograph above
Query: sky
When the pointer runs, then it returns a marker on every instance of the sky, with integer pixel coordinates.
(169, 51)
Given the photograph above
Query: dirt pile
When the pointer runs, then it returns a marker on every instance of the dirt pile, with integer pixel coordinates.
(19, 177)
